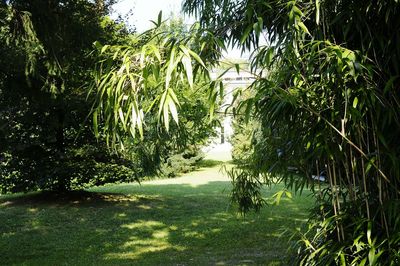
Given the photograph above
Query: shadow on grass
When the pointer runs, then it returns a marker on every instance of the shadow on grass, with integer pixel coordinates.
(209, 163)
(60, 198)
(144, 225)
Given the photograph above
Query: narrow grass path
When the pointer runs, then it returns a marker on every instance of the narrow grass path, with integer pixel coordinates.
(182, 221)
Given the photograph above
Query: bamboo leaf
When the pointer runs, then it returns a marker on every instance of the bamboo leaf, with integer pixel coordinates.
(162, 103)
(342, 260)
(237, 67)
(95, 124)
(134, 115)
(104, 48)
(277, 197)
(121, 117)
(355, 102)
(174, 112)
(173, 96)
(369, 230)
(155, 23)
(140, 123)
(170, 69)
(371, 257)
(363, 261)
(303, 27)
(127, 113)
(197, 58)
(369, 165)
(189, 71)
(221, 90)
(297, 11)
(159, 18)
(165, 112)
(120, 84)
(212, 101)
(246, 34)
(260, 24)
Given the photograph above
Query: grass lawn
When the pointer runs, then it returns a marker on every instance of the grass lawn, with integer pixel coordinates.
(181, 221)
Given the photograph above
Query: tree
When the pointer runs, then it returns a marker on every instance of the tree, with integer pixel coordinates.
(46, 60)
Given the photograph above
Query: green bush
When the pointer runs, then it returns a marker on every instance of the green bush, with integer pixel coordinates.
(77, 168)
(184, 162)
(245, 132)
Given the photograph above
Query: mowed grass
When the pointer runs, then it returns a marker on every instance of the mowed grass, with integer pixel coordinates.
(183, 221)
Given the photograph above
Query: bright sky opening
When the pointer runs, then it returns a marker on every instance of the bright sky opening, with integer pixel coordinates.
(145, 10)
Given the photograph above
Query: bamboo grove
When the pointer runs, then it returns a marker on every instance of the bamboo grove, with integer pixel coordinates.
(326, 99)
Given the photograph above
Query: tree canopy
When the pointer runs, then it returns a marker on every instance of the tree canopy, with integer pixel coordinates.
(49, 62)
(43, 104)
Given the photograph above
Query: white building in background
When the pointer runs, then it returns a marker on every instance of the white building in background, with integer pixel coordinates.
(232, 80)
(220, 148)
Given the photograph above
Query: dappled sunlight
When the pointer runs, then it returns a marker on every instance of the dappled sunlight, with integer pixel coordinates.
(193, 234)
(144, 225)
(146, 237)
(33, 209)
(150, 224)
(136, 248)
(6, 203)
(120, 215)
(144, 207)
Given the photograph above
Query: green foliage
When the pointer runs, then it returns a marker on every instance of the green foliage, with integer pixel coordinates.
(132, 81)
(362, 246)
(140, 86)
(245, 128)
(184, 162)
(45, 57)
(79, 167)
(327, 101)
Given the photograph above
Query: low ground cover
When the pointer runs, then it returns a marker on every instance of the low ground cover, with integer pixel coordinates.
(182, 221)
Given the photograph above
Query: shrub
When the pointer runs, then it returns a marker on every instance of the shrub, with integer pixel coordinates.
(181, 163)
(77, 168)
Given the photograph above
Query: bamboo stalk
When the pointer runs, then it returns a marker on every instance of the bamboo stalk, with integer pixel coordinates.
(353, 170)
(364, 180)
(333, 190)
(337, 199)
(347, 170)
(319, 183)
(380, 184)
(349, 141)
